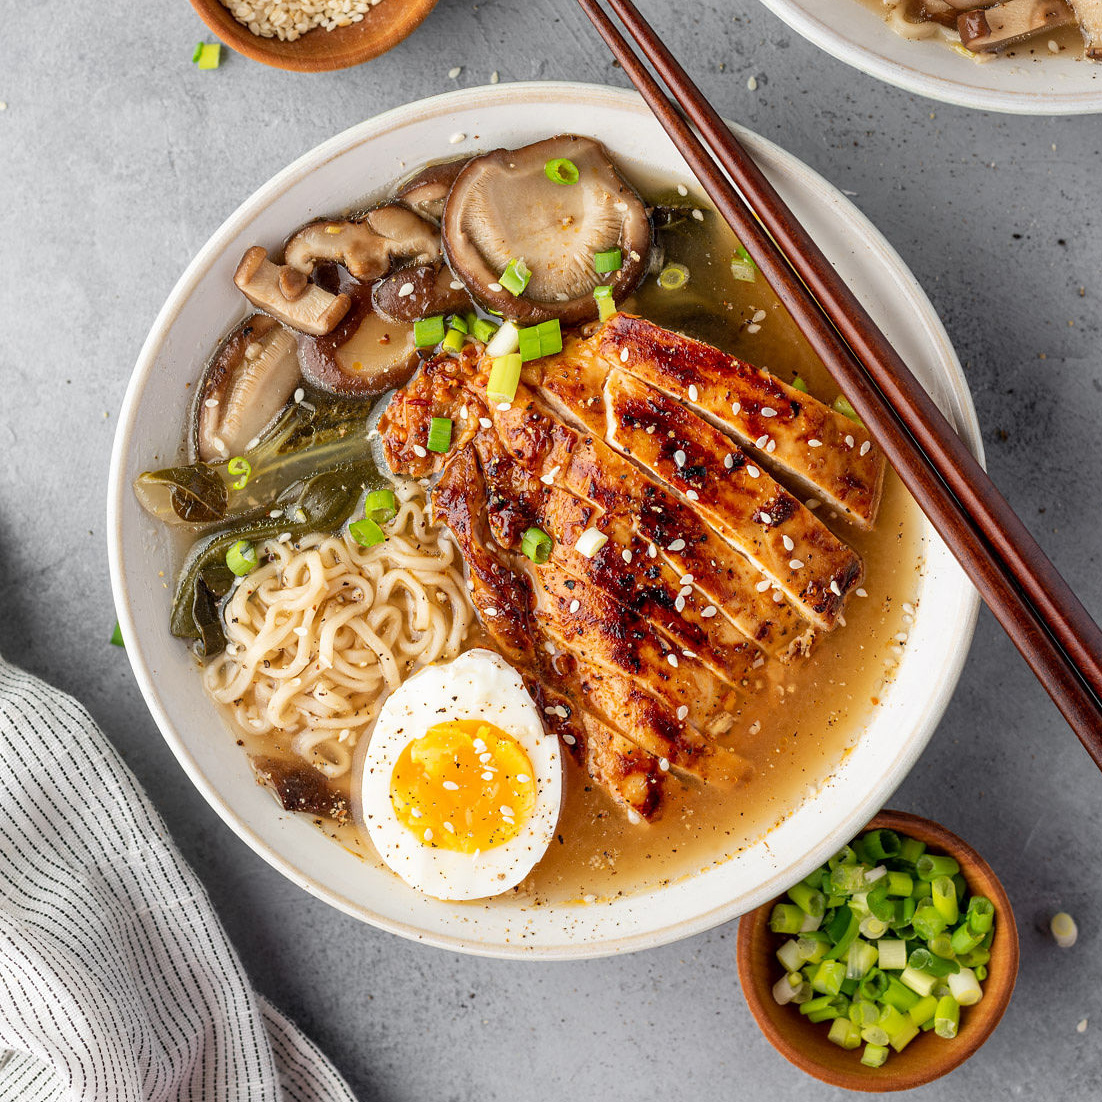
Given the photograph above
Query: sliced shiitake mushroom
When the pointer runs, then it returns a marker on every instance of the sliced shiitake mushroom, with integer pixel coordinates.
(365, 355)
(426, 191)
(504, 207)
(412, 293)
(367, 247)
(249, 380)
(287, 294)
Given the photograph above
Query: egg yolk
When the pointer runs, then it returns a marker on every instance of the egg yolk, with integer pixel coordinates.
(465, 786)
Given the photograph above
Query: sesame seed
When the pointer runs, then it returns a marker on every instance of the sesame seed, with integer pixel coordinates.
(812, 503)
(300, 631)
(692, 495)
(813, 443)
(505, 809)
(575, 605)
(683, 711)
(787, 541)
(561, 712)
(652, 551)
(415, 812)
(709, 612)
(861, 591)
(664, 764)
(698, 215)
(300, 394)
(763, 585)
(490, 612)
(755, 727)
(487, 776)
(849, 441)
(753, 328)
(569, 740)
(495, 287)
(693, 393)
(761, 441)
(686, 579)
(405, 290)
(765, 518)
(752, 83)
(485, 422)
(736, 408)
(210, 403)
(901, 637)
(503, 406)
(448, 827)
(457, 137)
(626, 555)
(623, 355)
(865, 448)
(834, 588)
(795, 564)
(283, 537)
(759, 316)
(909, 609)
(679, 457)
(689, 653)
(672, 659)
(682, 190)
(679, 604)
(768, 411)
(456, 285)
(771, 446)
(729, 461)
(453, 73)
(685, 591)
(523, 778)
(677, 545)
(494, 77)
(485, 757)
(275, 514)
(778, 596)
(419, 451)
(752, 471)
(428, 834)
(451, 786)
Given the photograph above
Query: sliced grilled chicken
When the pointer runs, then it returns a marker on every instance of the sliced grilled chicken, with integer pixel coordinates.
(829, 454)
(785, 540)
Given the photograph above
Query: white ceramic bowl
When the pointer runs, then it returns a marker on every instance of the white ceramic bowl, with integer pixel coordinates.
(203, 306)
(1046, 85)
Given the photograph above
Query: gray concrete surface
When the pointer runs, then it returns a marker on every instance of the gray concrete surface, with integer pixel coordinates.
(117, 160)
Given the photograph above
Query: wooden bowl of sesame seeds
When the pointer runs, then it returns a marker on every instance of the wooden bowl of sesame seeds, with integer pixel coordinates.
(370, 28)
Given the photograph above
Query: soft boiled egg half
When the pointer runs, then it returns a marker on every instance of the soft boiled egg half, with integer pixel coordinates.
(461, 785)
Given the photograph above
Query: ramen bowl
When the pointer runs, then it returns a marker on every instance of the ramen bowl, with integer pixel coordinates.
(202, 307)
(1026, 84)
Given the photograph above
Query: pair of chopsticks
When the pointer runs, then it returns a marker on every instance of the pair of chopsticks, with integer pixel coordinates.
(1035, 605)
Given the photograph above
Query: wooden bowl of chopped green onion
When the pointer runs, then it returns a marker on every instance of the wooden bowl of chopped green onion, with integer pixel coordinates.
(339, 39)
(887, 967)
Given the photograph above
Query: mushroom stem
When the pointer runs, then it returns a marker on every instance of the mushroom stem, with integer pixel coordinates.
(303, 306)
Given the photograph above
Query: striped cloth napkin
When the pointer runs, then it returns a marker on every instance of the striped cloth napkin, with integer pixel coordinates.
(117, 982)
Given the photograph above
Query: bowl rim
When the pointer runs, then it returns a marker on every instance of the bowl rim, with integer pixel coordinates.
(999, 985)
(225, 27)
(911, 79)
(491, 95)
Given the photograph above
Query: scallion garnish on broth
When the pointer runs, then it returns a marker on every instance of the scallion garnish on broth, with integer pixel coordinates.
(440, 435)
(561, 170)
(380, 506)
(536, 545)
(504, 378)
(886, 943)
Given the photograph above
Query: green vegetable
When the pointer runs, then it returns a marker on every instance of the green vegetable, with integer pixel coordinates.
(239, 465)
(197, 52)
(947, 1017)
(440, 434)
(930, 867)
(799, 384)
(504, 378)
(743, 267)
(606, 304)
(515, 277)
(241, 558)
(321, 503)
(428, 332)
(116, 636)
(608, 260)
(561, 170)
(536, 544)
(453, 340)
(380, 506)
(673, 277)
(482, 329)
(208, 55)
(842, 406)
(459, 322)
(366, 532)
(786, 918)
(874, 1055)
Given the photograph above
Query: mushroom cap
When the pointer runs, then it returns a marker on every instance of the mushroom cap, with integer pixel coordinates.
(367, 247)
(502, 206)
(248, 381)
(428, 290)
(424, 193)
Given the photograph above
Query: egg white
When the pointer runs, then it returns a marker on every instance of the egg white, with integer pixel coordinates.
(478, 685)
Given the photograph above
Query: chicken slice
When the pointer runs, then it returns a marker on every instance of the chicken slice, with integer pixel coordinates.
(782, 538)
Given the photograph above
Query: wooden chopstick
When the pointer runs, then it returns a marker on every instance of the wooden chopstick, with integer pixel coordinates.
(1047, 623)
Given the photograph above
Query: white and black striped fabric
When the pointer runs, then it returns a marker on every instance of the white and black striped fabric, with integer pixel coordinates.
(117, 982)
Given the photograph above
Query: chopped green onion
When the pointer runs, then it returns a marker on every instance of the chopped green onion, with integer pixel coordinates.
(923, 1011)
(743, 267)
(789, 953)
(606, 304)
(536, 545)
(965, 988)
(893, 953)
(380, 506)
(366, 532)
(197, 52)
(903, 1036)
(241, 558)
(880, 844)
(561, 170)
(809, 901)
(428, 332)
(1064, 930)
(673, 277)
(930, 867)
(787, 989)
(505, 340)
(964, 940)
(928, 921)
(900, 884)
(874, 1055)
(981, 972)
(453, 340)
(550, 337)
(608, 260)
(529, 344)
(440, 434)
(902, 998)
(515, 277)
(828, 977)
(842, 406)
(947, 1017)
(239, 465)
(844, 1033)
(589, 543)
(921, 982)
(208, 55)
(981, 914)
(925, 961)
(941, 946)
(911, 849)
(786, 918)
(459, 322)
(944, 895)
(799, 384)
(504, 378)
(845, 856)
(116, 636)
(483, 330)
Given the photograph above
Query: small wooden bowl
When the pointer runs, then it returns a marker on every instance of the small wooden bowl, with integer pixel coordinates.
(927, 1057)
(319, 50)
